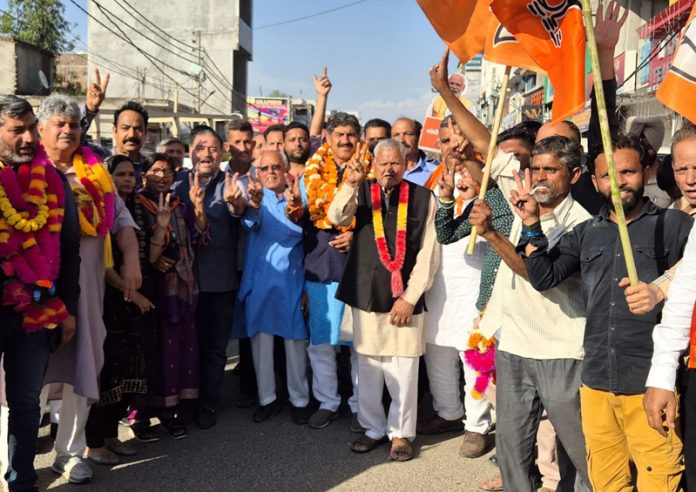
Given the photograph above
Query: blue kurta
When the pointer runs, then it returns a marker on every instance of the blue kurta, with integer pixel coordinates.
(273, 278)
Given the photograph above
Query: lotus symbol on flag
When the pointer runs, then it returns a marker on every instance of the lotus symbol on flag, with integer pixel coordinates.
(551, 16)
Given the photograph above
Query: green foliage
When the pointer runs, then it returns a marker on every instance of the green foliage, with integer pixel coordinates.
(277, 93)
(38, 22)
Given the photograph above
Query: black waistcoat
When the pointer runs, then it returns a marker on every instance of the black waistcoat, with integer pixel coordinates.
(366, 283)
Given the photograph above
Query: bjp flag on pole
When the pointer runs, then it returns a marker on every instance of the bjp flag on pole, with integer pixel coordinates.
(678, 89)
(553, 34)
(469, 27)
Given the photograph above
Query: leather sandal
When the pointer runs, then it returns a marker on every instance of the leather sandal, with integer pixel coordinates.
(401, 450)
(494, 484)
(365, 444)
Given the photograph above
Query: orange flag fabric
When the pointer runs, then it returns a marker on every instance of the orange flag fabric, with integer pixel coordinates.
(553, 34)
(469, 27)
(678, 89)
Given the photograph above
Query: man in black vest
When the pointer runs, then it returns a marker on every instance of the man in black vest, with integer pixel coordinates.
(392, 262)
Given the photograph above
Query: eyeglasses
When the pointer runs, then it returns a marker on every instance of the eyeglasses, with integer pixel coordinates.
(273, 167)
(161, 172)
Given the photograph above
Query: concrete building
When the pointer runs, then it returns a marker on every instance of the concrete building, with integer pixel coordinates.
(25, 69)
(194, 54)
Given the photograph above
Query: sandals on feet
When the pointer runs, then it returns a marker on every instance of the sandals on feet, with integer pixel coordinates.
(175, 429)
(364, 444)
(401, 450)
(145, 433)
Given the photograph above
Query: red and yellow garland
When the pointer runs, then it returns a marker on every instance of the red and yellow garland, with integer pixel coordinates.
(393, 266)
(322, 182)
(480, 356)
(32, 201)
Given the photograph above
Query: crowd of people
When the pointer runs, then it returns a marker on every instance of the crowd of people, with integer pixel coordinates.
(125, 276)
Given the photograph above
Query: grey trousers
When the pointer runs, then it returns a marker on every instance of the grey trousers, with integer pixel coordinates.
(525, 387)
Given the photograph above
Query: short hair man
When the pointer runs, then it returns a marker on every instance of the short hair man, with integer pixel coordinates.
(59, 127)
(617, 345)
(240, 144)
(273, 272)
(296, 144)
(418, 165)
(207, 188)
(175, 149)
(386, 299)
(129, 134)
(274, 137)
(375, 130)
(26, 352)
(651, 132)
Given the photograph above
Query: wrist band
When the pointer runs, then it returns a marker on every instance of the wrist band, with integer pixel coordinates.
(529, 234)
(446, 204)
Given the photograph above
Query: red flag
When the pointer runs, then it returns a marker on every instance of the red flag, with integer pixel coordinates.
(553, 34)
(678, 88)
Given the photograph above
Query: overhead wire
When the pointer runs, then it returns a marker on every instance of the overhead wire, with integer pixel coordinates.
(310, 16)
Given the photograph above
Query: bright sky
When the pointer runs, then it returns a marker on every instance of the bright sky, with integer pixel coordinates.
(378, 53)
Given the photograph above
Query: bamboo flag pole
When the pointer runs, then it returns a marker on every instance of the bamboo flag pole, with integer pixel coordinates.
(606, 141)
(491, 151)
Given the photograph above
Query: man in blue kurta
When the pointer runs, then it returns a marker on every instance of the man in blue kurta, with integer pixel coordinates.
(271, 291)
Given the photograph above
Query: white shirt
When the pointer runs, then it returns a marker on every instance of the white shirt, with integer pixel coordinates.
(671, 336)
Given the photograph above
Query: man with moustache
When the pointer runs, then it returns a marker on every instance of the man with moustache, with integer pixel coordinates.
(222, 198)
(25, 353)
(418, 165)
(326, 248)
(375, 130)
(391, 265)
(617, 344)
(538, 366)
(297, 147)
(129, 133)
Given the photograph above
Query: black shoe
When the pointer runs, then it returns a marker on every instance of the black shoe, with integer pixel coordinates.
(267, 412)
(300, 415)
(494, 459)
(206, 418)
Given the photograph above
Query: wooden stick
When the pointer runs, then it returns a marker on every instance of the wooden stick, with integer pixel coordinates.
(491, 151)
(608, 150)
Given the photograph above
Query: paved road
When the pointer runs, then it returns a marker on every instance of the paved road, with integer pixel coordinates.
(279, 455)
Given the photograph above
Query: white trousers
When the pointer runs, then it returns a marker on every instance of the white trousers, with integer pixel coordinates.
(296, 367)
(442, 364)
(400, 374)
(72, 418)
(322, 358)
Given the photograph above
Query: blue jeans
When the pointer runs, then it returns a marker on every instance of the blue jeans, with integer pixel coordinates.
(25, 360)
(214, 315)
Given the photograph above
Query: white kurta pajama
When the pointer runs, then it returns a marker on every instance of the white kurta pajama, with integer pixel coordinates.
(388, 354)
(448, 323)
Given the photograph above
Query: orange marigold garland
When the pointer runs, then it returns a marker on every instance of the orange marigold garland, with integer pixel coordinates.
(321, 182)
(480, 356)
(31, 217)
(393, 266)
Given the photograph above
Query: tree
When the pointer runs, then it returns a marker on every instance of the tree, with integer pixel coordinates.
(277, 93)
(38, 22)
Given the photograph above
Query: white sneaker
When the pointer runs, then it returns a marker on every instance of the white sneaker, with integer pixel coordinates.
(72, 468)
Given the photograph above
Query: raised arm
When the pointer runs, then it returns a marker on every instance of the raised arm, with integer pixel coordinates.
(323, 87)
(470, 126)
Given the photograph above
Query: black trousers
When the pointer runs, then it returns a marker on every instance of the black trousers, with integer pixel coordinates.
(215, 314)
(102, 422)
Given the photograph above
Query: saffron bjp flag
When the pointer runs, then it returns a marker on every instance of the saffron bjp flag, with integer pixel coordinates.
(553, 34)
(678, 89)
(469, 27)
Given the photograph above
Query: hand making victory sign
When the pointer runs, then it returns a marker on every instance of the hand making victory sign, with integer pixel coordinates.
(523, 202)
(255, 193)
(356, 167)
(446, 182)
(232, 194)
(164, 211)
(292, 193)
(96, 92)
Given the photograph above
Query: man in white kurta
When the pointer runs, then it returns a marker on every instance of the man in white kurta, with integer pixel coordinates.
(387, 321)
